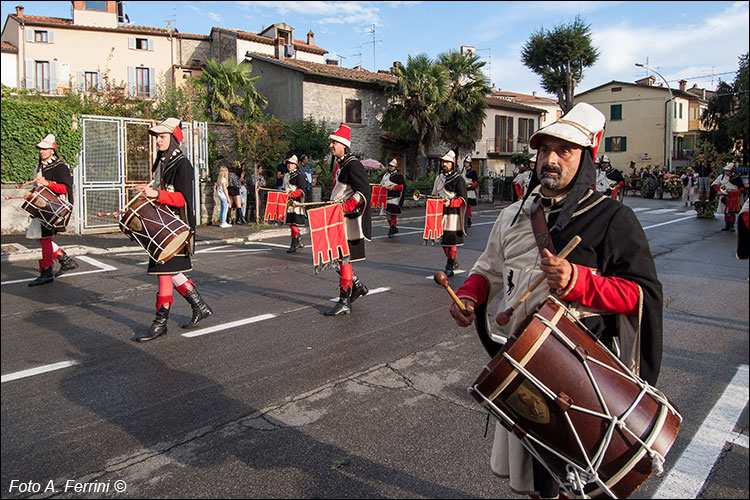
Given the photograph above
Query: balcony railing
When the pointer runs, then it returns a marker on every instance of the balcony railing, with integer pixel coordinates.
(500, 145)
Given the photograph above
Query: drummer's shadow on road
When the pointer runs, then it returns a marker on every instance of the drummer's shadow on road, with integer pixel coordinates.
(162, 408)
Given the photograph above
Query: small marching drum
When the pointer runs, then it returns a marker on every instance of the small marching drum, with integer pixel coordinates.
(155, 229)
(594, 425)
(50, 209)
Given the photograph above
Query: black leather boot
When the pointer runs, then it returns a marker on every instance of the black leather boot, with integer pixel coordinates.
(392, 231)
(158, 327)
(294, 245)
(343, 306)
(358, 290)
(200, 308)
(449, 267)
(468, 222)
(726, 226)
(66, 263)
(45, 276)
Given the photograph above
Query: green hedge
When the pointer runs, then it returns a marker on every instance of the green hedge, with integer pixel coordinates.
(24, 124)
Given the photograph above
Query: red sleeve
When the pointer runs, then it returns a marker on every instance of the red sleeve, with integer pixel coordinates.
(474, 185)
(456, 203)
(518, 188)
(397, 187)
(606, 293)
(296, 194)
(745, 218)
(171, 199)
(350, 205)
(58, 188)
(475, 288)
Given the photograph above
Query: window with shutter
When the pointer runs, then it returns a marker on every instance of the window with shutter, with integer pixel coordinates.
(607, 144)
(615, 112)
(353, 111)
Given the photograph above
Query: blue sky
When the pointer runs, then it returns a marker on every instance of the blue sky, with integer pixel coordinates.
(693, 40)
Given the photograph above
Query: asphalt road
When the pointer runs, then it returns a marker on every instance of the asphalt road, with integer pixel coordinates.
(270, 398)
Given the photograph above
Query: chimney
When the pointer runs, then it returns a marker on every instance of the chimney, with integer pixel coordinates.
(683, 84)
(310, 38)
(332, 62)
(533, 92)
(19, 10)
(279, 48)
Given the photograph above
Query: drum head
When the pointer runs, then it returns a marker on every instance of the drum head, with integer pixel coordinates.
(173, 246)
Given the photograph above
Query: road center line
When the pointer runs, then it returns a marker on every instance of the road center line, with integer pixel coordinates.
(36, 371)
(690, 472)
(670, 222)
(227, 326)
(371, 292)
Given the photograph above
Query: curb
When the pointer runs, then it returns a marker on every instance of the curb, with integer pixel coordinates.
(77, 250)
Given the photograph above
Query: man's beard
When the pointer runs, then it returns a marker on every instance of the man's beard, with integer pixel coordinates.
(551, 182)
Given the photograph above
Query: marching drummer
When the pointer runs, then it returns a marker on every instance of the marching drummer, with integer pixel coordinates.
(451, 188)
(394, 182)
(472, 187)
(350, 185)
(294, 184)
(54, 174)
(174, 178)
(609, 282)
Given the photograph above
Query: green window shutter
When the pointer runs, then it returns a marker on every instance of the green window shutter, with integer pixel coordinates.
(623, 144)
(607, 144)
(615, 112)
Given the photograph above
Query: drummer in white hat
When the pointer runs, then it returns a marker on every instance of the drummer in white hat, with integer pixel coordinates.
(609, 279)
(294, 184)
(54, 174)
(173, 183)
(451, 188)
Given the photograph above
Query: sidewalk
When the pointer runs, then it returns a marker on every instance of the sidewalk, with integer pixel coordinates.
(16, 247)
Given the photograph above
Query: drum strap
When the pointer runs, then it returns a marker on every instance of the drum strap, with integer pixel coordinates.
(541, 231)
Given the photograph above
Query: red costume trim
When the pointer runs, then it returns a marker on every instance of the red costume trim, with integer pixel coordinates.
(172, 199)
(606, 293)
(295, 194)
(58, 188)
(475, 288)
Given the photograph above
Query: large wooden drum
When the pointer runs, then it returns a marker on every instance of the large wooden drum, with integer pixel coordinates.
(598, 428)
(50, 209)
(155, 229)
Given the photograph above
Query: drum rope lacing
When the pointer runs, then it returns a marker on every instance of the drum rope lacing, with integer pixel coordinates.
(578, 477)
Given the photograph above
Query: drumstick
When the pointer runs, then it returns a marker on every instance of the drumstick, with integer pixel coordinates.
(442, 279)
(504, 317)
(25, 183)
(14, 197)
(137, 195)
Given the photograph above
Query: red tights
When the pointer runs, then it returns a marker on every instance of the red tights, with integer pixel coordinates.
(451, 252)
(347, 275)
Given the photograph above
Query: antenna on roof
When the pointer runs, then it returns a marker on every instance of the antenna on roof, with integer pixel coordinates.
(488, 60)
(171, 20)
(358, 54)
(371, 31)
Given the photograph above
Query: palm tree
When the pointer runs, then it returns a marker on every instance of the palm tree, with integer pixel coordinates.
(463, 112)
(231, 91)
(413, 116)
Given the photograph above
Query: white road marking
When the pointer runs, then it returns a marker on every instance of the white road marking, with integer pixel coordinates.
(690, 472)
(266, 244)
(457, 271)
(640, 209)
(371, 292)
(661, 211)
(103, 268)
(36, 371)
(669, 222)
(227, 326)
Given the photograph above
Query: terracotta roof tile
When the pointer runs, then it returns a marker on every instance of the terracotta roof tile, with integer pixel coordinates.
(270, 41)
(9, 47)
(333, 71)
(500, 102)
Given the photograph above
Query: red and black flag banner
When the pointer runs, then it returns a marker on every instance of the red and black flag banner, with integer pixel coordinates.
(433, 223)
(276, 206)
(328, 234)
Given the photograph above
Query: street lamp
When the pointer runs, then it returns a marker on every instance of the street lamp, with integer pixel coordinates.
(671, 100)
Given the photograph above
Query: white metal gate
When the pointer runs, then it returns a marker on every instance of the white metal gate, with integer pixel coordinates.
(116, 155)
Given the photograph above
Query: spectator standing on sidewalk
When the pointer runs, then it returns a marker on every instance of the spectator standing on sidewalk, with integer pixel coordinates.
(222, 184)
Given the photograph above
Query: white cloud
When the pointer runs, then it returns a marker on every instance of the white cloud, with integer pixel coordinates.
(326, 12)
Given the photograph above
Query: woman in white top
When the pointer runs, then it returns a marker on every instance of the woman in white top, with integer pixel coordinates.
(221, 190)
